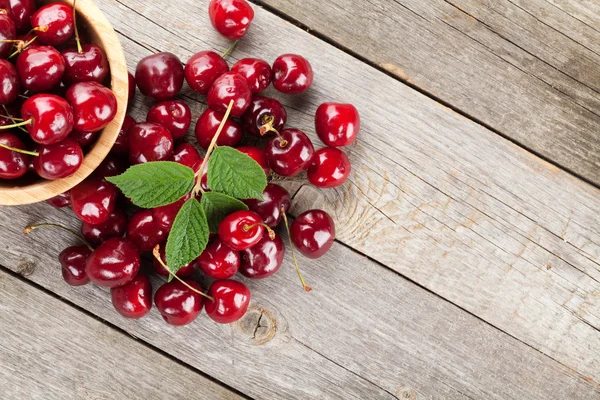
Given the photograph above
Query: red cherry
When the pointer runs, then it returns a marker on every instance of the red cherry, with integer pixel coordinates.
(207, 127)
(95, 106)
(174, 115)
(290, 154)
(72, 261)
(292, 74)
(160, 76)
(313, 233)
(203, 69)
(229, 86)
(13, 164)
(51, 118)
(256, 71)
(330, 168)
(263, 115)
(132, 84)
(7, 33)
(90, 65)
(58, 160)
(53, 23)
(149, 142)
(82, 138)
(21, 12)
(93, 200)
(186, 154)
(60, 200)
(143, 231)
(183, 272)
(114, 226)
(258, 155)
(121, 145)
(337, 124)
(111, 166)
(165, 216)
(178, 304)
(218, 260)
(241, 230)
(231, 300)
(114, 263)
(9, 83)
(263, 259)
(134, 299)
(269, 208)
(40, 68)
(231, 18)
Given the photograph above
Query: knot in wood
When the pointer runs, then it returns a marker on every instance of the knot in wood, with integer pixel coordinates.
(405, 393)
(25, 267)
(259, 325)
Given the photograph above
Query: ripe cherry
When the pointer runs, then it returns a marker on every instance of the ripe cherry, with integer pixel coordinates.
(9, 83)
(134, 299)
(263, 259)
(256, 71)
(174, 115)
(207, 127)
(160, 76)
(114, 226)
(90, 65)
(313, 233)
(269, 208)
(111, 166)
(94, 105)
(21, 12)
(83, 138)
(53, 23)
(178, 304)
(292, 74)
(291, 153)
(218, 260)
(121, 145)
(58, 160)
(60, 200)
(183, 272)
(330, 168)
(186, 154)
(40, 68)
(231, 301)
(143, 231)
(149, 142)
(203, 69)
(229, 86)
(72, 261)
(337, 124)
(93, 200)
(50, 116)
(13, 164)
(114, 263)
(7, 34)
(242, 229)
(164, 216)
(264, 115)
(231, 18)
(132, 85)
(258, 155)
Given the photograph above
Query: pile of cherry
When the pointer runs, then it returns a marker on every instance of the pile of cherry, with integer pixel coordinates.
(253, 252)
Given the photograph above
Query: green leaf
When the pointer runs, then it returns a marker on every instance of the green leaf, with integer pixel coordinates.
(155, 184)
(188, 237)
(217, 206)
(235, 174)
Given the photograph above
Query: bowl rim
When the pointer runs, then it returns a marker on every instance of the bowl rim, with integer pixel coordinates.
(104, 36)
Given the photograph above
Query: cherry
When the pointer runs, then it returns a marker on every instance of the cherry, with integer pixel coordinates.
(60, 200)
(227, 87)
(58, 160)
(269, 208)
(337, 124)
(231, 18)
(231, 300)
(263, 259)
(114, 226)
(40, 68)
(218, 260)
(7, 34)
(174, 115)
(207, 127)
(160, 76)
(242, 229)
(164, 216)
(83, 138)
(13, 164)
(177, 303)
(93, 200)
(21, 12)
(134, 299)
(186, 154)
(72, 261)
(183, 272)
(264, 115)
(121, 145)
(256, 71)
(313, 233)
(291, 153)
(50, 116)
(330, 168)
(149, 142)
(94, 105)
(143, 231)
(111, 166)
(114, 263)
(53, 23)
(292, 74)
(88, 65)
(132, 84)
(203, 69)
(9, 83)
(258, 155)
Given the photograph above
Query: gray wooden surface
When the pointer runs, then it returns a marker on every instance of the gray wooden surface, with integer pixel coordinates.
(482, 275)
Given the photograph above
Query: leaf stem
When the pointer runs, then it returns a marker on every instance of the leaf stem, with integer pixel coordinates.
(287, 227)
(78, 236)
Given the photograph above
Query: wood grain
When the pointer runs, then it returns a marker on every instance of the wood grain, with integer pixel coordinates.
(50, 350)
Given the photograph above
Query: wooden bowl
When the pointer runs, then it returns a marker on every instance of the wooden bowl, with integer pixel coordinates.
(100, 32)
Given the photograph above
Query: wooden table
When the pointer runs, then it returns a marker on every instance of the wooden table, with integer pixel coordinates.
(467, 260)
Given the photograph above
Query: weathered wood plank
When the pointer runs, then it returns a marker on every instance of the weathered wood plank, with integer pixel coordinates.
(50, 350)
(526, 68)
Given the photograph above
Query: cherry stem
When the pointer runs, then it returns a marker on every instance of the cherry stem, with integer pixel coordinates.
(20, 49)
(13, 119)
(77, 39)
(268, 127)
(31, 153)
(18, 124)
(156, 254)
(230, 49)
(33, 227)
(270, 231)
(198, 187)
(287, 228)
